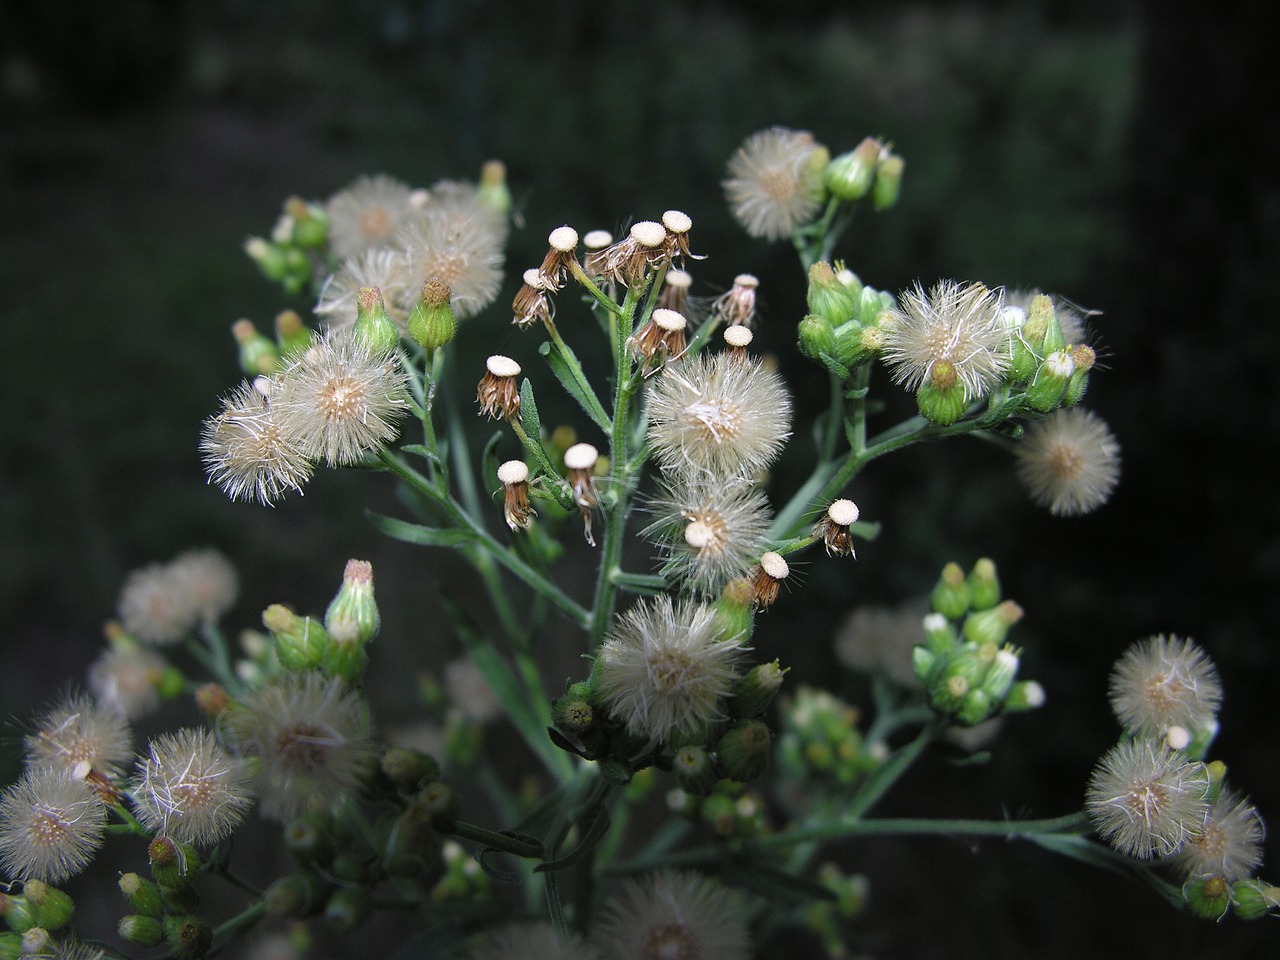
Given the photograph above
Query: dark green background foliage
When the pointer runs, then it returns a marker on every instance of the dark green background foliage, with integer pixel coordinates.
(1105, 152)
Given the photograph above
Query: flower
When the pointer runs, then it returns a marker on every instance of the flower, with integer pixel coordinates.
(190, 789)
(340, 399)
(531, 941)
(154, 606)
(50, 826)
(124, 678)
(79, 731)
(716, 415)
(207, 582)
(665, 668)
(310, 738)
(368, 213)
(1070, 462)
(447, 242)
(1230, 846)
(710, 532)
(470, 692)
(1146, 800)
(247, 454)
(384, 268)
(954, 329)
(1163, 682)
(673, 914)
(875, 639)
(775, 182)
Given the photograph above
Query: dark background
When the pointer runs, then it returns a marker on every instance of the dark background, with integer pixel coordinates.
(1108, 152)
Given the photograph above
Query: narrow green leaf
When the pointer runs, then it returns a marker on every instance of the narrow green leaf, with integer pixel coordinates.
(772, 883)
(417, 533)
(645, 583)
(489, 662)
(564, 364)
(597, 826)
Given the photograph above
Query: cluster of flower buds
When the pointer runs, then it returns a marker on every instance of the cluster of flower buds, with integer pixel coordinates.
(870, 168)
(289, 257)
(163, 908)
(820, 741)
(1053, 371)
(832, 919)
(965, 665)
(33, 916)
(731, 812)
(337, 644)
(842, 328)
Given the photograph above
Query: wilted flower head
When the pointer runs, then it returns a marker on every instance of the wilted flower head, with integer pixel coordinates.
(340, 399)
(246, 452)
(369, 213)
(531, 941)
(673, 914)
(190, 789)
(79, 731)
(710, 532)
(716, 415)
(665, 667)
(1163, 682)
(1230, 846)
(1069, 462)
(775, 181)
(1147, 800)
(953, 328)
(50, 826)
(310, 739)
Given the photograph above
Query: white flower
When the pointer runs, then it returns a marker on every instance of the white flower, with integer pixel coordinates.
(775, 182)
(1147, 801)
(665, 668)
(190, 789)
(673, 915)
(1069, 462)
(717, 416)
(1163, 682)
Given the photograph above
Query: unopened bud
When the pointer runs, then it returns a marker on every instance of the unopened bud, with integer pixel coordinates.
(432, 323)
(950, 596)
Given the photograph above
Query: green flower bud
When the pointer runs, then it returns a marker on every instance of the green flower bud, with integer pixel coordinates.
(493, 191)
(939, 635)
(353, 615)
(694, 770)
(950, 595)
(144, 931)
(187, 937)
(1024, 695)
(374, 325)
(292, 335)
(923, 662)
(172, 683)
(991, 626)
(999, 679)
(974, 708)
(1084, 358)
(852, 282)
(850, 175)
(1049, 387)
(941, 397)
(307, 841)
(143, 895)
(1209, 898)
(11, 946)
(948, 693)
(735, 609)
(756, 690)
(258, 354)
(300, 641)
(574, 713)
(408, 768)
(16, 912)
(816, 337)
(269, 258)
(827, 297)
(1254, 899)
(888, 183)
(743, 751)
(347, 909)
(50, 907)
(856, 344)
(871, 304)
(984, 585)
(432, 323)
(1036, 327)
(441, 804)
(173, 864)
(310, 223)
(296, 895)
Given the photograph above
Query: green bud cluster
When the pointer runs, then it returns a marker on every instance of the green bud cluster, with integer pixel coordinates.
(463, 877)
(842, 327)
(731, 812)
(1052, 372)
(831, 919)
(300, 238)
(38, 906)
(338, 646)
(820, 740)
(965, 664)
(870, 168)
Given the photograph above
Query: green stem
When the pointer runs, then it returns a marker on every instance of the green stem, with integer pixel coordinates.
(516, 846)
(886, 775)
(241, 921)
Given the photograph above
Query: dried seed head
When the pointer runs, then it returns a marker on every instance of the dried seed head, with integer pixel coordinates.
(498, 392)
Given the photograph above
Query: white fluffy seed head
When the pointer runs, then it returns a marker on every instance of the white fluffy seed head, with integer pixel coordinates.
(681, 279)
(749, 280)
(597, 239)
(563, 239)
(513, 471)
(669, 320)
(501, 366)
(774, 565)
(648, 233)
(842, 512)
(581, 456)
(737, 335)
(1162, 682)
(677, 221)
(533, 278)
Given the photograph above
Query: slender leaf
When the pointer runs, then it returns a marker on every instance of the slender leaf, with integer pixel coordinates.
(417, 533)
(596, 828)
(772, 883)
(564, 364)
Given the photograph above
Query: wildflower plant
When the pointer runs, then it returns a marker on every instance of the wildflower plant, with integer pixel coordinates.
(672, 708)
